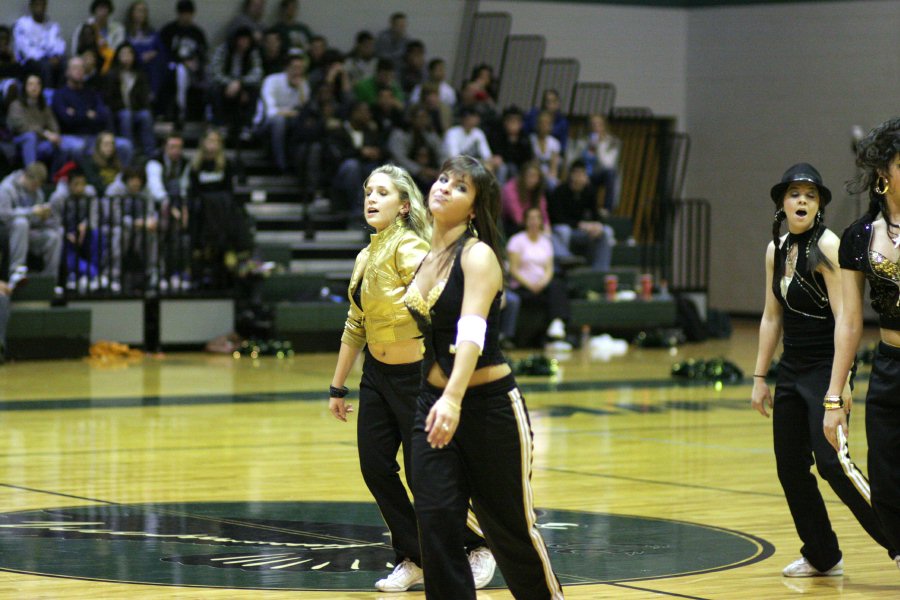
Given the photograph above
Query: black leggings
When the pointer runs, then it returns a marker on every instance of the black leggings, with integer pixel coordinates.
(883, 433)
(798, 436)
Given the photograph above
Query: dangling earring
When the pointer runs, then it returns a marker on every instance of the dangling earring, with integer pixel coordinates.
(882, 188)
(779, 214)
(470, 227)
(819, 218)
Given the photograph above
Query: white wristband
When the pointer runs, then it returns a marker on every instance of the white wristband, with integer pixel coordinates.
(470, 328)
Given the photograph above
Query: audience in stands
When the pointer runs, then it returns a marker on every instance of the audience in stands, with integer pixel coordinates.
(330, 73)
(135, 240)
(385, 77)
(512, 149)
(108, 33)
(357, 147)
(577, 224)
(84, 248)
(30, 220)
(10, 69)
(526, 190)
(283, 94)
(147, 44)
(441, 115)
(412, 71)
(550, 103)
(599, 150)
(294, 34)
(34, 125)
(437, 75)
(236, 74)
(39, 46)
(390, 44)
(185, 47)
(387, 112)
(250, 17)
(317, 123)
(532, 277)
(361, 61)
(273, 55)
(128, 95)
(546, 148)
(103, 165)
(418, 149)
(468, 138)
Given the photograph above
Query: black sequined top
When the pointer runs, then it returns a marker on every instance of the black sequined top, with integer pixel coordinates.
(807, 317)
(437, 315)
(882, 273)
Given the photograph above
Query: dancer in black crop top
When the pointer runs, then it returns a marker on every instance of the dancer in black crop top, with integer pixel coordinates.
(803, 296)
(870, 250)
(472, 436)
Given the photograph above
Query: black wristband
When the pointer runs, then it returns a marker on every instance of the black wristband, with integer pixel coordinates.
(338, 392)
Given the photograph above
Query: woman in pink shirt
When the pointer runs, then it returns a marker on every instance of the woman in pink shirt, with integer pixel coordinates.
(526, 190)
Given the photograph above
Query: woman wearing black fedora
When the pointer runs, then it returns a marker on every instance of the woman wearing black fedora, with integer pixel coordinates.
(803, 297)
(870, 250)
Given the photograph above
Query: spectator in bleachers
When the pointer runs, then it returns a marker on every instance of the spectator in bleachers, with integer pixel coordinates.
(550, 102)
(236, 75)
(599, 150)
(412, 71)
(250, 17)
(440, 114)
(146, 43)
(526, 190)
(467, 138)
(30, 220)
(437, 75)
(273, 55)
(367, 89)
(387, 112)
(510, 145)
(82, 114)
(135, 240)
(283, 94)
(39, 46)
(294, 34)
(546, 148)
(93, 79)
(578, 226)
(532, 276)
(317, 123)
(10, 69)
(109, 33)
(483, 84)
(128, 96)
(185, 47)
(331, 74)
(357, 147)
(76, 203)
(103, 165)
(361, 61)
(318, 45)
(419, 150)
(469, 100)
(34, 125)
(390, 44)
(168, 178)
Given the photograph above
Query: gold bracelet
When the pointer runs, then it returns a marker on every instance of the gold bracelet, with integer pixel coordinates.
(831, 404)
(833, 397)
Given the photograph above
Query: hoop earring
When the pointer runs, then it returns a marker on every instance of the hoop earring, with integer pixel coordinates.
(882, 189)
(470, 227)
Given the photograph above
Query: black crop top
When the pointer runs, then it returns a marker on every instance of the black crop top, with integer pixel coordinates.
(437, 315)
(883, 275)
(807, 317)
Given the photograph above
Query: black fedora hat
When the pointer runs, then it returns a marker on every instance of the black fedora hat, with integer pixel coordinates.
(800, 172)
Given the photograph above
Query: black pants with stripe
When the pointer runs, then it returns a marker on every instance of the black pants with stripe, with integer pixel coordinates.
(489, 461)
(387, 406)
(883, 433)
(800, 441)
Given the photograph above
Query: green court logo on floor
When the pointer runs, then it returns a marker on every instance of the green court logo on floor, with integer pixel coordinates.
(328, 545)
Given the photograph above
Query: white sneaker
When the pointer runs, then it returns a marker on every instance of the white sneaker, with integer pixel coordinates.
(802, 568)
(18, 275)
(897, 560)
(483, 566)
(405, 575)
(557, 330)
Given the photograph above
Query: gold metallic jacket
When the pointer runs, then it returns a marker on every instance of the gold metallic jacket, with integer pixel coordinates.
(384, 269)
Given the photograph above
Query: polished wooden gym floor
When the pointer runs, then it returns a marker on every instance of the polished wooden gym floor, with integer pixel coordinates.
(647, 488)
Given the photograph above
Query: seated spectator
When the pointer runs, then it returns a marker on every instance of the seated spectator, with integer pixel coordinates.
(357, 148)
(367, 89)
(10, 69)
(185, 47)
(109, 33)
(283, 94)
(168, 178)
(599, 151)
(440, 114)
(273, 55)
(318, 45)
(511, 147)
(578, 227)
(147, 45)
(437, 75)
(39, 46)
(469, 102)
(483, 85)
(412, 71)
(128, 96)
(317, 123)
(103, 165)
(546, 149)
(387, 112)
(361, 61)
(532, 276)
(34, 126)
(33, 227)
(250, 17)
(331, 74)
(390, 44)
(84, 247)
(82, 114)
(93, 80)
(467, 138)
(294, 34)
(526, 190)
(135, 240)
(419, 150)
(236, 74)
(550, 102)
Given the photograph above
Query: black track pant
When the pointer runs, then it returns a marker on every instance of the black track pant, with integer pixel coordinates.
(489, 461)
(797, 427)
(883, 433)
(387, 404)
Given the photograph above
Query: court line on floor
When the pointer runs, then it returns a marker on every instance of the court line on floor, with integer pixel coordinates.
(652, 591)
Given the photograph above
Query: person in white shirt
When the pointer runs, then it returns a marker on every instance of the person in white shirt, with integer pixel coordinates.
(600, 152)
(467, 138)
(282, 96)
(39, 47)
(437, 73)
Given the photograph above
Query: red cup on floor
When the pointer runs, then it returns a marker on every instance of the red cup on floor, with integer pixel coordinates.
(612, 285)
(646, 286)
